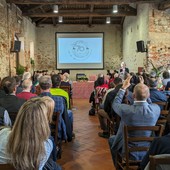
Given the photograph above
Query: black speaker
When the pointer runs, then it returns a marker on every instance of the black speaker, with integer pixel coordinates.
(16, 46)
(140, 46)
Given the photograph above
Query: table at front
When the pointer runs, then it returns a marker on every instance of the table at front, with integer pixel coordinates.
(82, 90)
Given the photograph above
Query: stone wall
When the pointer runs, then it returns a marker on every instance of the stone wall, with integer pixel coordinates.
(159, 36)
(46, 57)
(135, 29)
(13, 23)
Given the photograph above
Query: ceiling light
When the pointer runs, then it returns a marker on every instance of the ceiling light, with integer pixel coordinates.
(108, 20)
(115, 8)
(60, 19)
(55, 8)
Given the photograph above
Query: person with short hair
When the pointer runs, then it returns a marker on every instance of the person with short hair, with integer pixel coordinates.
(26, 94)
(141, 113)
(10, 101)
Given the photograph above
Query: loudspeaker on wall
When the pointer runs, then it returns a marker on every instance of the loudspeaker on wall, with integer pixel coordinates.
(16, 46)
(140, 46)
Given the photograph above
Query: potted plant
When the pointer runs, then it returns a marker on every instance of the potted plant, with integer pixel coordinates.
(20, 69)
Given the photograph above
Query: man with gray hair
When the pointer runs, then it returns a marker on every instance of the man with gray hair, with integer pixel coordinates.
(60, 106)
(141, 113)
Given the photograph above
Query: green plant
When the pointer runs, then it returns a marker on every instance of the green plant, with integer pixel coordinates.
(32, 62)
(157, 70)
(20, 69)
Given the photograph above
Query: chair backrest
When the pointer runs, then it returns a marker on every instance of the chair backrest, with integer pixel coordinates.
(163, 117)
(163, 104)
(159, 160)
(54, 126)
(130, 139)
(68, 90)
(6, 167)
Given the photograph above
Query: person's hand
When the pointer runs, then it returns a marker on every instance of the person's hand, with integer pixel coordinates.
(126, 83)
(141, 79)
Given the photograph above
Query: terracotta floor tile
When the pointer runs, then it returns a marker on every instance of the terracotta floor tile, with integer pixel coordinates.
(87, 151)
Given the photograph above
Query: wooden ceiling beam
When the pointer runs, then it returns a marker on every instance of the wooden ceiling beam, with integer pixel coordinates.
(90, 18)
(83, 14)
(82, 2)
(164, 5)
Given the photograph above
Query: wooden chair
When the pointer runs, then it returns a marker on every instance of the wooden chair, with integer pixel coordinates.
(163, 117)
(54, 131)
(163, 160)
(124, 162)
(68, 90)
(6, 167)
(163, 104)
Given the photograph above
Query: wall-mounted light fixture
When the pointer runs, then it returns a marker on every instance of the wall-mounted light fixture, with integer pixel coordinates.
(108, 20)
(60, 19)
(55, 8)
(115, 9)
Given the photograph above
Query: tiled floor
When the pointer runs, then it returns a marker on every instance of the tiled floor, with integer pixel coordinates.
(87, 151)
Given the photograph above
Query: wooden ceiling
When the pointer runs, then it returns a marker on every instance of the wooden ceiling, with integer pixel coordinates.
(87, 12)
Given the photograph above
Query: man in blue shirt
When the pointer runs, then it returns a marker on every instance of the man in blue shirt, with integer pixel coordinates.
(141, 113)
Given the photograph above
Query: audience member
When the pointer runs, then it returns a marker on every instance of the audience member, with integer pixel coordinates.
(10, 101)
(26, 94)
(141, 113)
(56, 90)
(2, 92)
(27, 144)
(155, 94)
(64, 127)
(18, 82)
(166, 78)
(158, 146)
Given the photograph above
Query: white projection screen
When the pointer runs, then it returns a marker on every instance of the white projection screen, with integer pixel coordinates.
(80, 50)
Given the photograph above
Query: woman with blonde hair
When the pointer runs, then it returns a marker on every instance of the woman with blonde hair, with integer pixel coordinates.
(27, 145)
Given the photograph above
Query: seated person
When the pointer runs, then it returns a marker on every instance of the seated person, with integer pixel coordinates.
(65, 125)
(105, 113)
(141, 113)
(26, 94)
(155, 94)
(24, 147)
(166, 78)
(56, 90)
(10, 101)
(4, 118)
(158, 146)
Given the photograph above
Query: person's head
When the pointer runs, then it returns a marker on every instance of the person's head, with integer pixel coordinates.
(31, 129)
(27, 84)
(18, 80)
(152, 74)
(166, 75)
(26, 75)
(66, 77)
(123, 65)
(153, 83)
(9, 85)
(117, 81)
(49, 102)
(45, 82)
(100, 81)
(141, 92)
(56, 80)
(111, 85)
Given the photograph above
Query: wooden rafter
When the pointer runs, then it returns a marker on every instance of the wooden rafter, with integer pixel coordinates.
(90, 18)
(104, 13)
(164, 5)
(87, 2)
